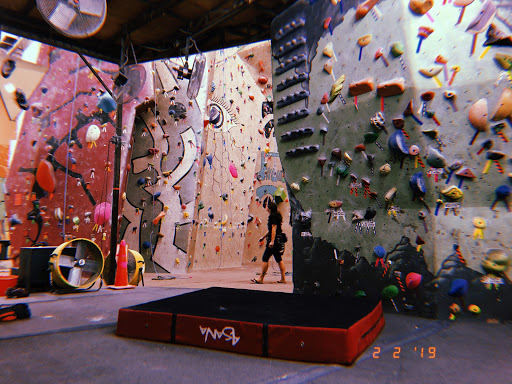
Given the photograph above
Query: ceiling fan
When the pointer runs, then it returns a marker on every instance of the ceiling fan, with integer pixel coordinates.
(74, 18)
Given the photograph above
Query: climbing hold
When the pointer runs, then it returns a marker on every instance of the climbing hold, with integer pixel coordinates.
(364, 8)
(391, 88)
(504, 107)
(380, 55)
(478, 114)
(474, 309)
(263, 79)
(106, 103)
(335, 203)
(379, 251)
(458, 288)
(496, 261)
(233, 170)
(361, 87)
(482, 20)
(421, 7)
(423, 33)
(336, 89)
(435, 159)
(93, 133)
(397, 49)
(390, 292)
(329, 50)
(479, 224)
(502, 193)
(413, 280)
(497, 37)
(363, 42)
(453, 192)
(385, 169)
(417, 184)
(45, 176)
(102, 213)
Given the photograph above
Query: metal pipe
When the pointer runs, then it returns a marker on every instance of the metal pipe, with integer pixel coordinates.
(96, 74)
(110, 279)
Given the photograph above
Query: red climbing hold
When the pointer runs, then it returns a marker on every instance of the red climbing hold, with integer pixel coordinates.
(263, 79)
(45, 176)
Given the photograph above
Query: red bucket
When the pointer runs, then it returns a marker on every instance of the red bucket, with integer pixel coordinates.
(7, 282)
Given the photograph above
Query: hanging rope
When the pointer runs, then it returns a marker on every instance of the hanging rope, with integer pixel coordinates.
(68, 154)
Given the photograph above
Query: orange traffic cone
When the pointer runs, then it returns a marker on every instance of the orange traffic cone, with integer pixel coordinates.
(121, 281)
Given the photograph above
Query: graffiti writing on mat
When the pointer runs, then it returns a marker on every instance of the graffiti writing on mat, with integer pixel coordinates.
(227, 332)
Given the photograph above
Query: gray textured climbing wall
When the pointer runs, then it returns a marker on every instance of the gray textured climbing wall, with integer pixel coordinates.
(426, 226)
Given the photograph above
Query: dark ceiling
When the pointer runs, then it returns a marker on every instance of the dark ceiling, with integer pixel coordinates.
(155, 28)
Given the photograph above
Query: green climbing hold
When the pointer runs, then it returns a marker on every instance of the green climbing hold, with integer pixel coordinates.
(279, 195)
(390, 292)
(397, 49)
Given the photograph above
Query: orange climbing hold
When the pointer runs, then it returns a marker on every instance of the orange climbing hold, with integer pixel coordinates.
(45, 176)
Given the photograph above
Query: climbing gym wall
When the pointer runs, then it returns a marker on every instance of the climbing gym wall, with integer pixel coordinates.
(395, 149)
(60, 178)
(238, 127)
(161, 186)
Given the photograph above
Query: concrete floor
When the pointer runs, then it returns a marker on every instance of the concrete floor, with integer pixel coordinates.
(71, 339)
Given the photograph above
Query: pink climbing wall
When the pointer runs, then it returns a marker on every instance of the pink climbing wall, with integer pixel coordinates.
(63, 107)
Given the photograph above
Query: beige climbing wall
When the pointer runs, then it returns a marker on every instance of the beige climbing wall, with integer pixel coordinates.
(219, 235)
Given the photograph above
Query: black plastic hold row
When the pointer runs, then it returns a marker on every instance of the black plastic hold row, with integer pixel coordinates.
(292, 80)
(292, 116)
(293, 98)
(290, 63)
(297, 134)
(290, 46)
(289, 28)
(299, 151)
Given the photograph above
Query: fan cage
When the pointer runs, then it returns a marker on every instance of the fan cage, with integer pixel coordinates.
(74, 18)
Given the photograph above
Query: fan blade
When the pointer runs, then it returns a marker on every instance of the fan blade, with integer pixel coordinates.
(197, 76)
(136, 75)
(92, 7)
(66, 261)
(62, 16)
(90, 266)
(75, 275)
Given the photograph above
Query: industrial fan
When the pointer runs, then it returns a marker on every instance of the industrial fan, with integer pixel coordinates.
(136, 267)
(194, 75)
(128, 83)
(74, 18)
(76, 264)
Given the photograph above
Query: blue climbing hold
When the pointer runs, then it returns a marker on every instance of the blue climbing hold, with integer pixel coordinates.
(458, 288)
(379, 251)
(146, 245)
(141, 181)
(106, 103)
